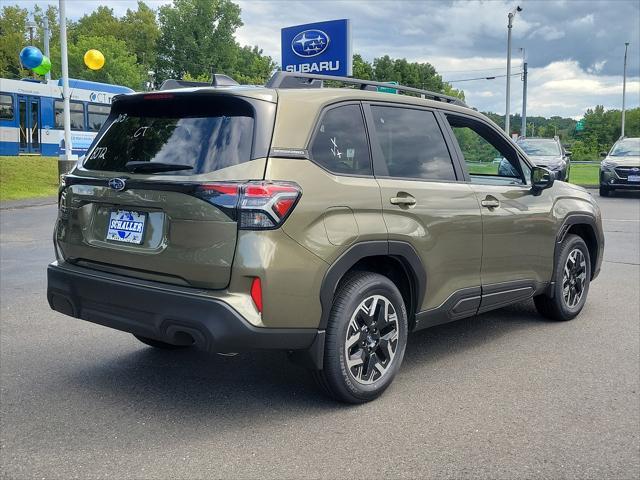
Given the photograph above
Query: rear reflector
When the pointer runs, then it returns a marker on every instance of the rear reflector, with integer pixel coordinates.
(255, 205)
(256, 293)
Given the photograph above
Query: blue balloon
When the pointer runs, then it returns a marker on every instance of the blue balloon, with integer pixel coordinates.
(31, 57)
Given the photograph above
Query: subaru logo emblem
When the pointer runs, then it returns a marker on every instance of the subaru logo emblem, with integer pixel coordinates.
(310, 43)
(117, 184)
(635, 169)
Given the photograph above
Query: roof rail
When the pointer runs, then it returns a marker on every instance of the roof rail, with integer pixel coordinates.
(282, 79)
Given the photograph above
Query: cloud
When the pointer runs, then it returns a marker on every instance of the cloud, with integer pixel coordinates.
(548, 33)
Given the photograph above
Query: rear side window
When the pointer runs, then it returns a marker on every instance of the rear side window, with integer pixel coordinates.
(412, 144)
(340, 142)
(204, 133)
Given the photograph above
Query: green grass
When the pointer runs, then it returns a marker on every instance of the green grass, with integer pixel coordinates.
(585, 174)
(31, 177)
(28, 177)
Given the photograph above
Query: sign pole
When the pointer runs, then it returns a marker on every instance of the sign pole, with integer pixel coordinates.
(65, 81)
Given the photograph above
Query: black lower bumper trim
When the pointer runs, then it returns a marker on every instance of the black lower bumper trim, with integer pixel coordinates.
(171, 315)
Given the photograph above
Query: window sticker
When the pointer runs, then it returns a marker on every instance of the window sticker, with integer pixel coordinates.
(334, 149)
(99, 152)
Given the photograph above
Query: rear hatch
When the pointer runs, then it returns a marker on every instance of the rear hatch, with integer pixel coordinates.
(155, 197)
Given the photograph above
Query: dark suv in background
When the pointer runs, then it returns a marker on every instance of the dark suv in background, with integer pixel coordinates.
(620, 168)
(325, 222)
(548, 153)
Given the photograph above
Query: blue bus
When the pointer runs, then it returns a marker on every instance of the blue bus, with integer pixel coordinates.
(31, 114)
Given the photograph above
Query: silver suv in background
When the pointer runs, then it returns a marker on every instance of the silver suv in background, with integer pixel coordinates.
(548, 153)
(620, 168)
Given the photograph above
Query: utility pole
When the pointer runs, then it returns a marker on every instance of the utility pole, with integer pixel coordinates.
(524, 100)
(64, 63)
(507, 121)
(47, 34)
(624, 86)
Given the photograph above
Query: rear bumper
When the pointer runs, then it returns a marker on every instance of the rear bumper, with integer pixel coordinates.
(175, 315)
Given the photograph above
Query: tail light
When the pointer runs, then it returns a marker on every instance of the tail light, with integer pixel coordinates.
(254, 205)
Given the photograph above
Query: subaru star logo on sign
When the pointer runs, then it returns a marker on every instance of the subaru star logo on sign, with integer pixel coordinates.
(323, 47)
(310, 43)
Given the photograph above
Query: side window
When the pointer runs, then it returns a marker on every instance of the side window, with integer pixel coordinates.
(412, 144)
(340, 142)
(77, 114)
(486, 154)
(97, 115)
(6, 107)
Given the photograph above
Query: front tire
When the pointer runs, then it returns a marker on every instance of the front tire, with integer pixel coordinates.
(604, 191)
(366, 337)
(572, 275)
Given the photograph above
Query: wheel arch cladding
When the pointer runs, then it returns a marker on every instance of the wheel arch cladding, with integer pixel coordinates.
(583, 226)
(398, 261)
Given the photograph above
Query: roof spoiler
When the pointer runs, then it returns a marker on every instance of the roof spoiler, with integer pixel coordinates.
(219, 80)
(282, 79)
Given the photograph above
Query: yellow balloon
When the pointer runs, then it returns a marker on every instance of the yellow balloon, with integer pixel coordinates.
(94, 59)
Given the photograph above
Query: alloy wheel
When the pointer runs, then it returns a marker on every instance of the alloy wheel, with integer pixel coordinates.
(574, 278)
(371, 339)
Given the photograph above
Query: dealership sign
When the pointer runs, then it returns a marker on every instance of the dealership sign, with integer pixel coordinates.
(323, 47)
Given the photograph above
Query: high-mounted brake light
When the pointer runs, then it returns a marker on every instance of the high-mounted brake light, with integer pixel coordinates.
(157, 96)
(255, 205)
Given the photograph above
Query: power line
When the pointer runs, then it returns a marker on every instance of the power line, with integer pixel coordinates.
(491, 77)
(471, 70)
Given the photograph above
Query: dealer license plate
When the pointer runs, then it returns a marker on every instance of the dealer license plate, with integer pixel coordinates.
(126, 226)
(633, 178)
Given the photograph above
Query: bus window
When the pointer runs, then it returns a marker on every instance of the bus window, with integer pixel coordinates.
(77, 115)
(6, 107)
(97, 116)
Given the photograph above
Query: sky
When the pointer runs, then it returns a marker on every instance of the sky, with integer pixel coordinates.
(574, 49)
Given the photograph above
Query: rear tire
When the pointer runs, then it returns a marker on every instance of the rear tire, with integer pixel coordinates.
(158, 344)
(573, 275)
(366, 337)
(604, 191)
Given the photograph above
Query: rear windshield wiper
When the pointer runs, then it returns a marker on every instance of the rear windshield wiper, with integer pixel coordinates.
(152, 167)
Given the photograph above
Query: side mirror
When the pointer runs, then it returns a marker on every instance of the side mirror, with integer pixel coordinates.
(541, 178)
(567, 153)
(603, 154)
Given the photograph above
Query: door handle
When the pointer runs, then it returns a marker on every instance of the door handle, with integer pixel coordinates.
(490, 202)
(404, 200)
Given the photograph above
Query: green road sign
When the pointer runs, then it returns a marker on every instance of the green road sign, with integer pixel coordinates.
(580, 126)
(388, 89)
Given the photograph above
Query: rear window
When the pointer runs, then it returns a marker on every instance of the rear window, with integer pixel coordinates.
(205, 133)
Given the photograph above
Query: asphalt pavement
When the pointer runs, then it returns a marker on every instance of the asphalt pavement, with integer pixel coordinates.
(502, 395)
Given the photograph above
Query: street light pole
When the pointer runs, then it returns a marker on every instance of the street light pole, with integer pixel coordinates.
(624, 86)
(64, 63)
(510, 26)
(523, 128)
(47, 34)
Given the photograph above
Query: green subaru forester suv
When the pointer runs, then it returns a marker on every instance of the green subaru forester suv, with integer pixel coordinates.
(325, 222)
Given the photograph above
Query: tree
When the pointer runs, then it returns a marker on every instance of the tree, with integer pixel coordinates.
(120, 67)
(196, 36)
(361, 68)
(140, 30)
(13, 23)
(251, 66)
